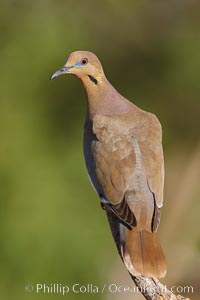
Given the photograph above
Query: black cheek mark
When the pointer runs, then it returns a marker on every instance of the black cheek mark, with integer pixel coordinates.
(93, 79)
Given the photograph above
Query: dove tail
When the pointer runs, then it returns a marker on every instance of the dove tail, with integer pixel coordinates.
(142, 253)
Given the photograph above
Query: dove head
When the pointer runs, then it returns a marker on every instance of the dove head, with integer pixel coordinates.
(83, 64)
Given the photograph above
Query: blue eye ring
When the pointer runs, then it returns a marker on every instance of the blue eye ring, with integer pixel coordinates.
(84, 61)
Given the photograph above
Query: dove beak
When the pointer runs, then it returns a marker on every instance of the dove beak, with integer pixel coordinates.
(63, 70)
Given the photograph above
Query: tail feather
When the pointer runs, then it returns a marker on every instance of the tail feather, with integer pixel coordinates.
(142, 254)
(140, 251)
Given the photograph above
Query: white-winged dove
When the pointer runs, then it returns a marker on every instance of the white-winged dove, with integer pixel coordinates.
(124, 159)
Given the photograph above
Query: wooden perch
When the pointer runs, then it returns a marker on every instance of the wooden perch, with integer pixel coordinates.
(152, 289)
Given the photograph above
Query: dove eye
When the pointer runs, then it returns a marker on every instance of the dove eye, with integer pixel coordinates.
(84, 61)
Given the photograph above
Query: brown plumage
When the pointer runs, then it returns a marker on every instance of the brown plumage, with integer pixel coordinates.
(124, 159)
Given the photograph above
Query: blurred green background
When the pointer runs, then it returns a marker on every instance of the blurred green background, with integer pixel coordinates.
(52, 227)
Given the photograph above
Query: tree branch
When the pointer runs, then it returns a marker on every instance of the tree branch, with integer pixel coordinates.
(153, 289)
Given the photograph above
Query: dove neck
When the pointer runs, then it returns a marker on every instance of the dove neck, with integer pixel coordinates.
(103, 99)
